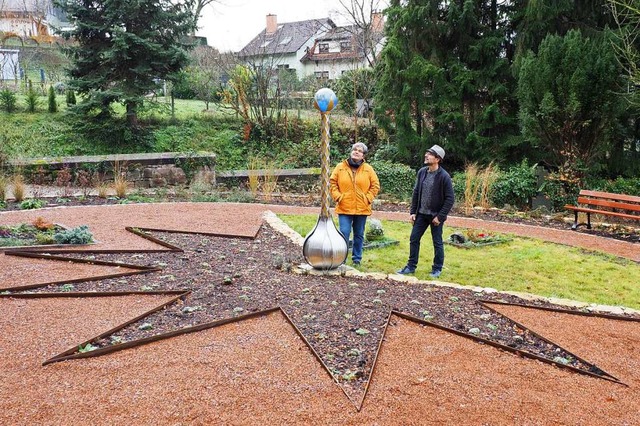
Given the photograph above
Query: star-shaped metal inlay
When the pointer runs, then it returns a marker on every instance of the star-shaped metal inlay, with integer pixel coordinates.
(343, 319)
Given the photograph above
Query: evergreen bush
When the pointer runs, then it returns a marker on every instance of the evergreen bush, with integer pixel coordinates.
(31, 99)
(516, 186)
(70, 97)
(79, 235)
(32, 203)
(560, 191)
(395, 179)
(53, 104)
(8, 100)
(621, 185)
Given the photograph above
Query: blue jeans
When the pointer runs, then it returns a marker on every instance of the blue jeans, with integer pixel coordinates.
(357, 222)
(421, 224)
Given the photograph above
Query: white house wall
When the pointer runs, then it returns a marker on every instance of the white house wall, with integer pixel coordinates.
(21, 26)
(8, 64)
(335, 67)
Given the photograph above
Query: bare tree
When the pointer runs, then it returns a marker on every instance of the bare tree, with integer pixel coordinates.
(205, 72)
(266, 62)
(367, 25)
(198, 6)
(627, 16)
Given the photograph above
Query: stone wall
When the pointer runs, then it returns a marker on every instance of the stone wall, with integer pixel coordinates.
(142, 170)
(163, 169)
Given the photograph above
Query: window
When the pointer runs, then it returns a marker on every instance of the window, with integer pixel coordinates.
(345, 46)
(285, 40)
(265, 44)
(322, 75)
(323, 48)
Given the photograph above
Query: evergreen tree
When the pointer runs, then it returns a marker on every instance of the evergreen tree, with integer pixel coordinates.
(534, 20)
(31, 98)
(53, 104)
(122, 48)
(446, 79)
(8, 100)
(568, 100)
(70, 97)
(624, 156)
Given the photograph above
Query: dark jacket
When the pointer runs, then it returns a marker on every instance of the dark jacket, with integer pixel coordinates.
(442, 198)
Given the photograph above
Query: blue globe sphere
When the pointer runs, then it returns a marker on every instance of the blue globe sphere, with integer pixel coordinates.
(325, 100)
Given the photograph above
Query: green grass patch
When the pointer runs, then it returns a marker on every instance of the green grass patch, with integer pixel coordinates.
(522, 265)
(191, 128)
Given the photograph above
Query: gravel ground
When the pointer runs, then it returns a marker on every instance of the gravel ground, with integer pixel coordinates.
(259, 369)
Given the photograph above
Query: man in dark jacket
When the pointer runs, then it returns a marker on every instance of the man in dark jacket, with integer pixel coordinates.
(432, 200)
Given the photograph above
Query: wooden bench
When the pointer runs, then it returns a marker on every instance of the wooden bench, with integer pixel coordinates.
(604, 203)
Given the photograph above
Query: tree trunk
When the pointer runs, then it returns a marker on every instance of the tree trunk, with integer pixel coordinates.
(418, 119)
(132, 114)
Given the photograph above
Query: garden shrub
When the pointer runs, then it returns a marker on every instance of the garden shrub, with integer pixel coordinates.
(459, 180)
(386, 152)
(559, 191)
(8, 100)
(32, 99)
(79, 235)
(32, 203)
(516, 186)
(621, 185)
(53, 104)
(395, 179)
(70, 97)
(4, 183)
(375, 231)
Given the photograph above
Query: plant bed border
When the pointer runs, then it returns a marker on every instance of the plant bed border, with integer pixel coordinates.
(376, 244)
(44, 247)
(472, 245)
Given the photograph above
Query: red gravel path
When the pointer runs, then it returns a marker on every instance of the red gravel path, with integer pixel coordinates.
(259, 371)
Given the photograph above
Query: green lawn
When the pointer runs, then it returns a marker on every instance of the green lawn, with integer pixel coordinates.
(44, 134)
(522, 265)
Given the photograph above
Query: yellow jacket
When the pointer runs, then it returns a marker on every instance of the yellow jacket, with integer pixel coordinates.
(352, 191)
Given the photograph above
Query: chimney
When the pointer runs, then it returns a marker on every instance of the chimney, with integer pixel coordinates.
(377, 22)
(272, 23)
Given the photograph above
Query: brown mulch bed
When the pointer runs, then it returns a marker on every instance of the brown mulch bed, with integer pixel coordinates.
(343, 318)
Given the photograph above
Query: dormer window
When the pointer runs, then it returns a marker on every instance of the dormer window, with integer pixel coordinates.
(323, 48)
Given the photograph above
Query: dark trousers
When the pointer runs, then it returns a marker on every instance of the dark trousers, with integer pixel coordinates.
(420, 225)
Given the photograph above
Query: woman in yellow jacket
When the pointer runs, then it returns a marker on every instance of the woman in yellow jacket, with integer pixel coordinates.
(354, 185)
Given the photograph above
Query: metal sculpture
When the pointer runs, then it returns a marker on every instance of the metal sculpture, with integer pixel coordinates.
(325, 247)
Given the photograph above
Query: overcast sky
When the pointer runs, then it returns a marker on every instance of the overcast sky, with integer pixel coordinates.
(231, 24)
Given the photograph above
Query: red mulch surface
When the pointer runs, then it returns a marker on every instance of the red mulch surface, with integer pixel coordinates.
(260, 371)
